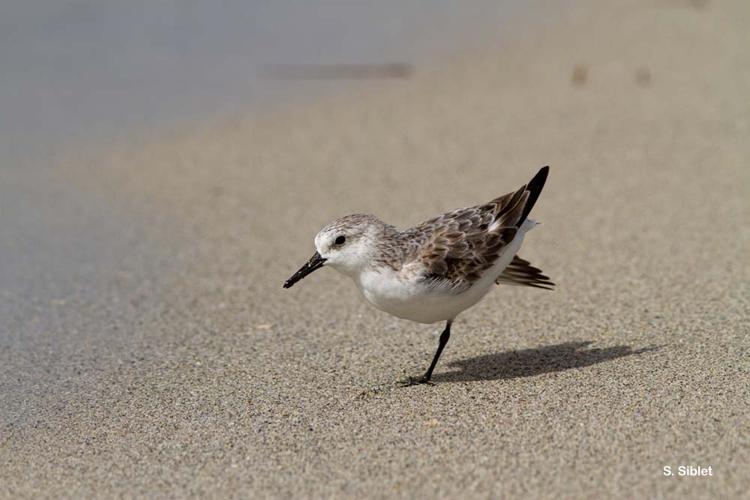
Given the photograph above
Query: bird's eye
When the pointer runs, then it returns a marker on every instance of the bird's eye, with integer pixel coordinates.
(340, 240)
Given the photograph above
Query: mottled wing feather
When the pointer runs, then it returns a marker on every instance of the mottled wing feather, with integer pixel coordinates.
(454, 249)
(520, 272)
(457, 247)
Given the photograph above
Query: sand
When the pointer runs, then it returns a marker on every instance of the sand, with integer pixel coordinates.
(224, 384)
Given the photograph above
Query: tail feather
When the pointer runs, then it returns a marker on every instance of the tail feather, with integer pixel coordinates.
(520, 272)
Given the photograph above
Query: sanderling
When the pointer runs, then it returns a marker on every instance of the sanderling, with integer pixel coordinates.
(439, 268)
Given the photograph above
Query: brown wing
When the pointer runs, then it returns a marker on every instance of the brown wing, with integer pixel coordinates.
(459, 246)
(520, 272)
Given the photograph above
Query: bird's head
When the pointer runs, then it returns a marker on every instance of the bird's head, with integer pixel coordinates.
(347, 244)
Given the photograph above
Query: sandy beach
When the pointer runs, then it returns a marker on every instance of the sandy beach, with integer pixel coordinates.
(222, 384)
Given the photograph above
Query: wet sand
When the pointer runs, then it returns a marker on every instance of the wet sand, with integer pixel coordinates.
(229, 385)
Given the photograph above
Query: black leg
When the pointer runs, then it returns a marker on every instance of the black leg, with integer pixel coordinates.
(425, 379)
(443, 341)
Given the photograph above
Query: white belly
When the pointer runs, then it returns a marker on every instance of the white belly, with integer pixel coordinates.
(397, 295)
(417, 302)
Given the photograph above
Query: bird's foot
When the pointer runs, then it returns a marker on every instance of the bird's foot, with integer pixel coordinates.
(410, 381)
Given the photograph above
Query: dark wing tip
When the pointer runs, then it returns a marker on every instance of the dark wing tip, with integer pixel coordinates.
(534, 187)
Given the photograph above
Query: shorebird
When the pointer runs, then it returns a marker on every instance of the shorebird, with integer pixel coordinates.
(433, 271)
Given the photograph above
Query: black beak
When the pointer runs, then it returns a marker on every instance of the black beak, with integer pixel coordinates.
(315, 262)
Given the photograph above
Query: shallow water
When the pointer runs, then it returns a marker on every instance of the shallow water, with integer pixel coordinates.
(80, 71)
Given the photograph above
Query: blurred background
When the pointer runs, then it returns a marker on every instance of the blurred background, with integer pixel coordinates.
(165, 165)
(82, 71)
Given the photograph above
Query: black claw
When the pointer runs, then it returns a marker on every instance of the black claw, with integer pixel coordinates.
(410, 381)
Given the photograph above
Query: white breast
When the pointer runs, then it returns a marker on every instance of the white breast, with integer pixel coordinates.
(402, 295)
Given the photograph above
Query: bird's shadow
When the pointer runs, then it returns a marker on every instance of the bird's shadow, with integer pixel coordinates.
(531, 362)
